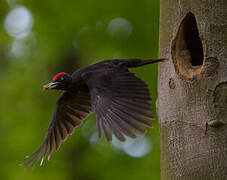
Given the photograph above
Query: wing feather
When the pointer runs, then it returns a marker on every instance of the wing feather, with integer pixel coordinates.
(121, 102)
(122, 125)
(71, 109)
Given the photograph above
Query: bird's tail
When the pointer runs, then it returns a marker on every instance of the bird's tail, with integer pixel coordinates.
(138, 62)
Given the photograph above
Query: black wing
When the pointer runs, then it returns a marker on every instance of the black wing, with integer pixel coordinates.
(121, 102)
(71, 109)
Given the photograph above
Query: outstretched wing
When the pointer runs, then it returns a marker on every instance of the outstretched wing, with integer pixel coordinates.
(71, 109)
(121, 102)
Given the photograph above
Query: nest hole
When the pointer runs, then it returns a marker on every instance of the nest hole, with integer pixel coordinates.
(187, 49)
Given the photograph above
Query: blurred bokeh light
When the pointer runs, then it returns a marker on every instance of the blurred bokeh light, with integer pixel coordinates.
(119, 27)
(18, 22)
(138, 147)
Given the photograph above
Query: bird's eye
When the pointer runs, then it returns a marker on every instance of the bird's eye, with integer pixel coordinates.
(61, 78)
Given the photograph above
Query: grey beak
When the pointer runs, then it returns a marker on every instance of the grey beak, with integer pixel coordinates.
(50, 85)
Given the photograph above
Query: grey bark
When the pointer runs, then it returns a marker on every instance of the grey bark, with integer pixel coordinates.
(192, 89)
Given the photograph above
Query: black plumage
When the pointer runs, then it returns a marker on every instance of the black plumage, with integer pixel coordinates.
(120, 100)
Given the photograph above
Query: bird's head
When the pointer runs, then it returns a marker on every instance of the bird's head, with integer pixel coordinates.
(60, 81)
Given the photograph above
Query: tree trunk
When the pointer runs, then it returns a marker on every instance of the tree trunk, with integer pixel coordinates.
(192, 89)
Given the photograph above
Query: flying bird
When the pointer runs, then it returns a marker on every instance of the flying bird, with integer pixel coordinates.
(120, 100)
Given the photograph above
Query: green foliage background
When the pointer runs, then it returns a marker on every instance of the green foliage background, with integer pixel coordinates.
(65, 36)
